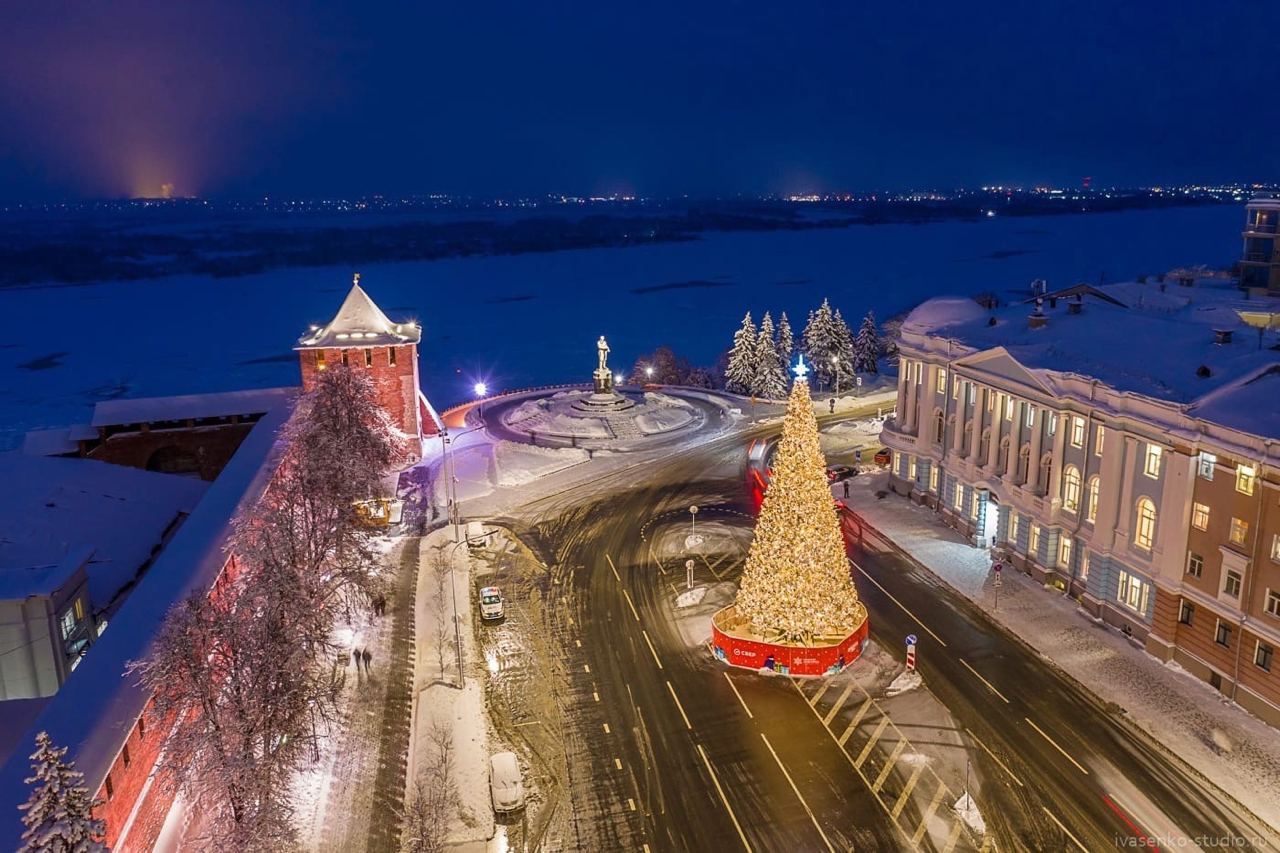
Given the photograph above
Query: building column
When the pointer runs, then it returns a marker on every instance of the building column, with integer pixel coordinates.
(904, 376)
(912, 367)
(1015, 441)
(997, 416)
(1033, 463)
(957, 436)
(1059, 458)
(975, 440)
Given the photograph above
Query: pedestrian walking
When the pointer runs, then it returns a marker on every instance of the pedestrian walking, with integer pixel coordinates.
(355, 658)
(833, 405)
(846, 488)
(367, 658)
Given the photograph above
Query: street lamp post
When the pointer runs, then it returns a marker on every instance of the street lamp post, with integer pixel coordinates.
(835, 363)
(481, 390)
(648, 371)
(693, 523)
(688, 569)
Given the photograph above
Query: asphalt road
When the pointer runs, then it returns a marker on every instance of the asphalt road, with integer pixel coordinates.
(669, 750)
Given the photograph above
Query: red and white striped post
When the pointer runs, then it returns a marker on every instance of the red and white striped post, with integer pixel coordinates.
(911, 652)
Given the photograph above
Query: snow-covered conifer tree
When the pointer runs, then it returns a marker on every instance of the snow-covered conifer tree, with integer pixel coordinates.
(786, 341)
(822, 341)
(770, 381)
(740, 376)
(59, 813)
(866, 347)
(844, 351)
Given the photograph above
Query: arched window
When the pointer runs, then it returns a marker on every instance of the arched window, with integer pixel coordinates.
(1091, 499)
(1071, 489)
(1046, 471)
(938, 426)
(1144, 528)
(984, 444)
(968, 439)
(1024, 460)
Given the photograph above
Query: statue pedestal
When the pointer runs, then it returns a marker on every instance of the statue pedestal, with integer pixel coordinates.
(603, 381)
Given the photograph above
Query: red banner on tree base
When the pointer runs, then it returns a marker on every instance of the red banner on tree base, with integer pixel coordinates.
(788, 660)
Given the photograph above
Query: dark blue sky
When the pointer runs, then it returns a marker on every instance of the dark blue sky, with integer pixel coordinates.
(308, 99)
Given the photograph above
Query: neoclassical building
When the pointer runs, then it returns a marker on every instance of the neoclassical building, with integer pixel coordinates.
(1120, 443)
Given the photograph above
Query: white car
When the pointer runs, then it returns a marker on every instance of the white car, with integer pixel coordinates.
(490, 603)
(505, 783)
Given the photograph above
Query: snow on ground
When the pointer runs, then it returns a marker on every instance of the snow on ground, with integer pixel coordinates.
(107, 341)
(519, 464)
(1178, 710)
(906, 680)
(663, 419)
(967, 808)
(690, 597)
(581, 427)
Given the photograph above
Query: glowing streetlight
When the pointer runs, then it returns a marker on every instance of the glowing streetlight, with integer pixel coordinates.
(481, 389)
(618, 379)
(648, 372)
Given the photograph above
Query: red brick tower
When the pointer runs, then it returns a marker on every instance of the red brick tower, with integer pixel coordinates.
(361, 337)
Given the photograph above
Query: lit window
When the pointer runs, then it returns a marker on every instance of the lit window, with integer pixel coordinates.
(1077, 432)
(1064, 552)
(1008, 408)
(1246, 476)
(1091, 499)
(933, 478)
(911, 468)
(1204, 465)
(1195, 564)
(68, 623)
(955, 388)
(1034, 545)
(368, 358)
(320, 363)
(974, 506)
(79, 609)
(1071, 489)
(1262, 656)
(1186, 612)
(1231, 585)
(991, 401)
(1152, 466)
(919, 371)
(1200, 516)
(1239, 531)
(942, 381)
(1084, 566)
(1144, 534)
(1275, 548)
(1030, 412)
(957, 498)
(391, 356)
(973, 393)
(939, 427)
(1051, 423)
(1013, 528)
(1272, 605)
(1097, 440)
(897, 462)
(1132, 592)
(1222, 634)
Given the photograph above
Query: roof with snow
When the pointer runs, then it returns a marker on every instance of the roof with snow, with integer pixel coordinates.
(360, 323)
(224, 404)
(52, 509)
(1154, 339)
(99, 703)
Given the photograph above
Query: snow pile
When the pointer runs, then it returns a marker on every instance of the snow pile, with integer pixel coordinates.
(580, 427)
(526, 410)
(519, 464)
(690, 597)
(909, 679)
(663, 419)
(967, 809)
(664, 400)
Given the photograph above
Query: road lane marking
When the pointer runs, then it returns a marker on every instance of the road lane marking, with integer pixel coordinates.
(995, 758)
(792, 783)
(870, 745)
(906, 791)
(586, 667)
(614, 568)
(813, 703)
(651, 649)
(617, 762)
(679, 706)
(888, 765)
(632, 805)
(953, 838)
(723, 799)
(739, 695)
(632, 606)
(928, 814)
(990, 686)
(857, 718)
(835, 709)
(595, 695)
(661, 567)
(899, 603)
(606, 728)
(1078, 765)
(1064, 829)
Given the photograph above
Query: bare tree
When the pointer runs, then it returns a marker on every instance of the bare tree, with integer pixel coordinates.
(435, 796)
(442, 623)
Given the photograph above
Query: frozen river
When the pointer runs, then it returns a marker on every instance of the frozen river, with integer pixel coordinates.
(518, 320)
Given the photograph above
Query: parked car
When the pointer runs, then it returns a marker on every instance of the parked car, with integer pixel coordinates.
(884, 456)
(836, 473)
(506, 786)
(490, 603)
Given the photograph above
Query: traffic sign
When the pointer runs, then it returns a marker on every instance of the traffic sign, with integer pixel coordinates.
(911, 639)
(998, 567)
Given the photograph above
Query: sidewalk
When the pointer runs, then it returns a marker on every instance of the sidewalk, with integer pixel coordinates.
(1234, 750)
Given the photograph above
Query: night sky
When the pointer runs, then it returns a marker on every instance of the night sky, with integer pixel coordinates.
(245, 98)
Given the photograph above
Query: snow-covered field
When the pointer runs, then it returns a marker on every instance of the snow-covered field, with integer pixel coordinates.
(520, 320)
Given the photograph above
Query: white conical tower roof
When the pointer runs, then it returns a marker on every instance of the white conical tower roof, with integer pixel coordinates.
(360, 323)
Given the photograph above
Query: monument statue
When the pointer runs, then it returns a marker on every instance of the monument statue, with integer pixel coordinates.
(602, 349)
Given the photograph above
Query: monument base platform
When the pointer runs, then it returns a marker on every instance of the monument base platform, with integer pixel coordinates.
(603, 403)
(737, 648)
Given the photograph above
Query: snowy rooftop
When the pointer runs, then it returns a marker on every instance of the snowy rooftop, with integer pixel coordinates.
(99, 703)
(360, 323)
(1157, 343)
(51, 508)
(190, 406)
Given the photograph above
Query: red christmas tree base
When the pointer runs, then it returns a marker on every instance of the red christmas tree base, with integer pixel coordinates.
(738, 648)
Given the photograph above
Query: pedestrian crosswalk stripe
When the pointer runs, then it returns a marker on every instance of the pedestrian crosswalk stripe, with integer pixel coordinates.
(826, 721)
(906, 791)
(888, 766)
(928, 814)
(875, 736)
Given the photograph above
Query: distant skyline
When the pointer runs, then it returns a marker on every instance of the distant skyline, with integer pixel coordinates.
(242, 99)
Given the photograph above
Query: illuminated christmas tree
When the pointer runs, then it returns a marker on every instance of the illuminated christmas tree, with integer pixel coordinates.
(796, 586)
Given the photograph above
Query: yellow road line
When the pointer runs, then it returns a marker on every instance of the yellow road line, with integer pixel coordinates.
(990, 686)
(614, 568)
(952, 838)
(835, 709)
(995, 758)
(857, 718)
(1044, 735)
(928, 814)
(679, 706)
(792, 783)
(631, 605)
(1064, 829)
(906, 791)
(899, 603)
(723, 799)
(813, 703)
(651, 649)
(875, 736)
(888, 766)
(739, 695)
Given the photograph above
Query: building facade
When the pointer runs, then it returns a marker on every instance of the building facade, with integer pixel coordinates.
(1260, 261)
(1156, 506)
